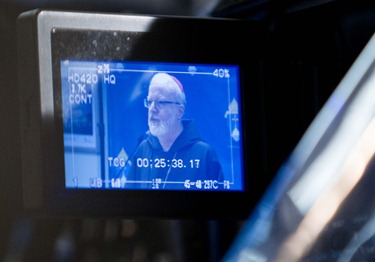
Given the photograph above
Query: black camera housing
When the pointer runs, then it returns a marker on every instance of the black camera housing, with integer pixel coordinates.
(47, 38)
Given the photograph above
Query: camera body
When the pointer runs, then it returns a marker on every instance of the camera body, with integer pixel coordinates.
(83, 80)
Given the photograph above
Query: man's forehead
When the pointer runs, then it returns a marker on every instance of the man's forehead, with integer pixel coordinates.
(160, 92)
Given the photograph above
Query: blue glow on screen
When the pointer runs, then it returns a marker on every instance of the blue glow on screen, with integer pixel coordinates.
(104, 118)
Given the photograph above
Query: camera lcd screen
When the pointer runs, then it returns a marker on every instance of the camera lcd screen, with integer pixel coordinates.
(115, 127)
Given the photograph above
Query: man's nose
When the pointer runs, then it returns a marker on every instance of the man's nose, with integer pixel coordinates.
(153, 106)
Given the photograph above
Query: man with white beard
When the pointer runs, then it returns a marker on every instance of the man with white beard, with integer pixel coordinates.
(173, 156)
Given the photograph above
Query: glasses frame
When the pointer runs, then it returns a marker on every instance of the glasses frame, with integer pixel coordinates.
(158, 104)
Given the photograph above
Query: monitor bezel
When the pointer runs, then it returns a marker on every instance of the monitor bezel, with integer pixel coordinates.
(56, 199)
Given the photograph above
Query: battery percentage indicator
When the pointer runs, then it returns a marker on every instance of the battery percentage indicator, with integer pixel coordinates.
(221, 72)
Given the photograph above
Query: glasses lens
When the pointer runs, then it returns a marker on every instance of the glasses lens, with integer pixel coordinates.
(158, 104)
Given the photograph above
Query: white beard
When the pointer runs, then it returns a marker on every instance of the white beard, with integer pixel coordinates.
(160, 129)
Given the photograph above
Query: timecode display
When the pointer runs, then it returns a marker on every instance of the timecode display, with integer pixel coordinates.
(167, 163)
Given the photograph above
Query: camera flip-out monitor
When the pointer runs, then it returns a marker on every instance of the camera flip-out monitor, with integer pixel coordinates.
(102, 95)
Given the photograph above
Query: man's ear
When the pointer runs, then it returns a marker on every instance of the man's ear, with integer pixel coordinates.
(181, 111)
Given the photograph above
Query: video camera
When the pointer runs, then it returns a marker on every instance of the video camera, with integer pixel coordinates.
(83, 79)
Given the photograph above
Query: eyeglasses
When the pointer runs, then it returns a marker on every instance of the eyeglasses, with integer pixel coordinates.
(159, 104)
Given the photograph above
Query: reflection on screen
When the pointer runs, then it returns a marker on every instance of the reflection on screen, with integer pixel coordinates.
(320, 207)
(107, 110)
